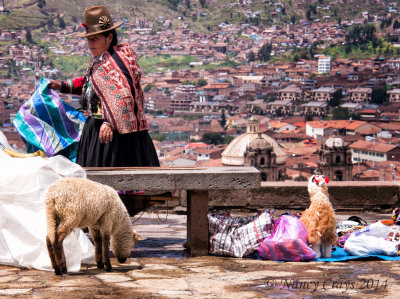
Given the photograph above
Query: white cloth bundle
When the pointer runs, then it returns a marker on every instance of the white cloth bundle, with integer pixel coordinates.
(23, 183)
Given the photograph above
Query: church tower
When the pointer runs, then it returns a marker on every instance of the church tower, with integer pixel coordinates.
(260, 154)
(335, 160)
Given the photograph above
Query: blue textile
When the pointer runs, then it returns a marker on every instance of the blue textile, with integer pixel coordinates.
(47, 123)
(340, 255)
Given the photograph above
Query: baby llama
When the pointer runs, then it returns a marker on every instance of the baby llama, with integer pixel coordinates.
(78, 202)
(319, 218)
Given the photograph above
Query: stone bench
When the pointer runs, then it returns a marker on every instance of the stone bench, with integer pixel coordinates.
(196, 181)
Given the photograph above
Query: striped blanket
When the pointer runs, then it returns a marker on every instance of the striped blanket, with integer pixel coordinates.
(46, 122)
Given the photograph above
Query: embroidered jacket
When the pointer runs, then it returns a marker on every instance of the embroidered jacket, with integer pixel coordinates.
(121, 107)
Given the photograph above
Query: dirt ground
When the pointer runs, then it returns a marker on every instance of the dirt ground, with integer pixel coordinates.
(161, 268)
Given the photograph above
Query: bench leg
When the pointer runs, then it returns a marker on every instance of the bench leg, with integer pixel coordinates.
(197, 223)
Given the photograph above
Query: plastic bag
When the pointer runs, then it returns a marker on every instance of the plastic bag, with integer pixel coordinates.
(238, 236)
(23, 229)
(374, 240)
(288, 242)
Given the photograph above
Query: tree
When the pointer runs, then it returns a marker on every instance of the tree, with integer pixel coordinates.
(379, 95)
(278, 112)
(212, 138)
(174, 3)
(29, 36)
(228, 139)
(293, 19)
(264, 54)
(41, 3)
(61, 22)
(251, 57)
(159, 137)
(396, 24)
(355, 116)
(222, 121)
(201, 82)
(340, 113)
(202, 3)
(12, 68)
(148, 87)
(257, 110)
(308, 117)
(337, 96)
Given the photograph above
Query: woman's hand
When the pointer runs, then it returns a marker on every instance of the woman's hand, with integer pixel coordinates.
(106, 133)
(54, 85)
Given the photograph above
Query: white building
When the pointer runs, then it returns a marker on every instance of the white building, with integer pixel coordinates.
(324, 65)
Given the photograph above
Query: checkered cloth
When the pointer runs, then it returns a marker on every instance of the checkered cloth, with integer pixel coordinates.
(238, 236)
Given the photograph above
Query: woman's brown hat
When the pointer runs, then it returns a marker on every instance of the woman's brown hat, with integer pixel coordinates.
(97, 20)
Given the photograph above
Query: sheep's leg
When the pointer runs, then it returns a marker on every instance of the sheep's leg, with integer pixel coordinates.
(98, 243)
(50, 249)
(106, 252)
(63, 230)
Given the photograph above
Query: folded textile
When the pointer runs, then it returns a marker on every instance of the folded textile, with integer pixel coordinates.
(47, 123)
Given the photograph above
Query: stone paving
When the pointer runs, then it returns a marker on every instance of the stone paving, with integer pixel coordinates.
(160, 268)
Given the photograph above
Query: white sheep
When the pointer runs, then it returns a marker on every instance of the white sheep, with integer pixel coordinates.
(78, 202)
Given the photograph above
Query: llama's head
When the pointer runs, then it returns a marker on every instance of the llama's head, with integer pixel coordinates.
(318, 183)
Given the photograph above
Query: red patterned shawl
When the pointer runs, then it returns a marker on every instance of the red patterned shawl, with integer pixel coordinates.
(113, 89)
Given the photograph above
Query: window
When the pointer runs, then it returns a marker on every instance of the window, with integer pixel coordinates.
(263, 177)
(262, 161)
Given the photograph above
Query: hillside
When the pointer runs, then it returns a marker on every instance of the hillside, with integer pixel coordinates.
(200, 14)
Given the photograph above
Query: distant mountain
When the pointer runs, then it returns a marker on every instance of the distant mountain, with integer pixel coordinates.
(200, 14)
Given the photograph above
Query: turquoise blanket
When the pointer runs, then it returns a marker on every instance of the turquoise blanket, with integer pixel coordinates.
(340, 255)
(47, 123)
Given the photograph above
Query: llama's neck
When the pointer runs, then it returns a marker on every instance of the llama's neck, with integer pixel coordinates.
(321, 196)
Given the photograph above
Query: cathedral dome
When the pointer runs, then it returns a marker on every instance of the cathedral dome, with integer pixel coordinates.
(335, 141)
(234, 153)
(259, 143)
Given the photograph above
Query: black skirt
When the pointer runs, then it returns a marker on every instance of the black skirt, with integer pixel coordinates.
(129, 150)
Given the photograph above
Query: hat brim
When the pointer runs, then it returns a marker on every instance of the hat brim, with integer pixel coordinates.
(84, 34)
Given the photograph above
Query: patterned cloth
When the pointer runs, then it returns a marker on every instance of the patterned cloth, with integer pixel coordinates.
(115, 78)
(47, 123)
(239, 236)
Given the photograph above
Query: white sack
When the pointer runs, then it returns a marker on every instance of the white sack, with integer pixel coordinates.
(371, 240)
(23, 183)
(3, 140)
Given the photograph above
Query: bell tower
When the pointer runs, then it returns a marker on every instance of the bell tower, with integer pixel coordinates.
(335, 160)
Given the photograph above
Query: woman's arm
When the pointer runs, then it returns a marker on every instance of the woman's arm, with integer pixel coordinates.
(69, 86)
(56, 85)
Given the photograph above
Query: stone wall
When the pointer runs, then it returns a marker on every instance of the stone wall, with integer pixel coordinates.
(345, 196)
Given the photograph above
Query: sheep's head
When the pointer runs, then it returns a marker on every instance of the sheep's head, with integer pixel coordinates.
(123, 243)
(317, 183)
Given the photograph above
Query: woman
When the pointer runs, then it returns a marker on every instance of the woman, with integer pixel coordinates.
(116, 132)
